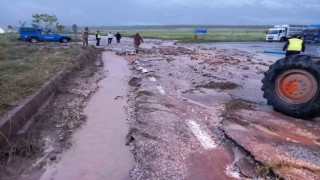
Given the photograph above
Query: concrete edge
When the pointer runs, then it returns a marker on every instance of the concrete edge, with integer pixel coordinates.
(15, 119)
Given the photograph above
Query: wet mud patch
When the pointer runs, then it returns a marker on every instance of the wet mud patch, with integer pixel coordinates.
(167, 50)
(237, 104)
(220, 85)
(134, 132)
(247, 168)
(144, 93)
(209, 164)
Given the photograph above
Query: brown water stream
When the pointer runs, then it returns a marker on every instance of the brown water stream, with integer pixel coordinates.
(98, 150)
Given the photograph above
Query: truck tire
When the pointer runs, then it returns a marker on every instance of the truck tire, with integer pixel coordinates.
(64, 40)
(33, 39)
(292, 86)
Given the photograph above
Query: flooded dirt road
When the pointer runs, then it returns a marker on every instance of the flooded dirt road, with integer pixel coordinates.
(98, 150)
(182, 111)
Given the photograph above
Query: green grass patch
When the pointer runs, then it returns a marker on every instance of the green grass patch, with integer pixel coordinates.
(24, 67)
(187, 35)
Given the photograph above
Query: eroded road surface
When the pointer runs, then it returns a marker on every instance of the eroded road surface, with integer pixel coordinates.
(197, 112)
(183, 111)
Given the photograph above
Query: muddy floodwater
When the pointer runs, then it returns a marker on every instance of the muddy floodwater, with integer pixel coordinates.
(98, 150)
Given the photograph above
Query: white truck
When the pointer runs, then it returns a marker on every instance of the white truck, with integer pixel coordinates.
(282, 32)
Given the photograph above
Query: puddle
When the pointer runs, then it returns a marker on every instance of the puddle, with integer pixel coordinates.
(235, 127)
(208, 164)
(98, 150)
(237, 155)
(206, 100)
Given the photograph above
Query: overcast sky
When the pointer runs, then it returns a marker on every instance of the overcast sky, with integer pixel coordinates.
(163, 12)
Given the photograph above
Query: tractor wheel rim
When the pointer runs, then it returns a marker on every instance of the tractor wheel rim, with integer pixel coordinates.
(296, 86)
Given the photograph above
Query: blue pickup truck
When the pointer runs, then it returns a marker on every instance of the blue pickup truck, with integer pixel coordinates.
(35, 34)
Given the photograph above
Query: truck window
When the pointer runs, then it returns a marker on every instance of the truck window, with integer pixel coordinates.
(272, 32)
(27, 30)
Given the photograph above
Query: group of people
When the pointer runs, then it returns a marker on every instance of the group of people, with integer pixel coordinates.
(109, 36)
(137, 39)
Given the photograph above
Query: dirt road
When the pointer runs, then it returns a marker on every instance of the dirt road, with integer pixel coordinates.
(193, 111)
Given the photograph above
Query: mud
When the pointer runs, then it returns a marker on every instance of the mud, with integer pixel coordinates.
(238, 104)
(220, 85)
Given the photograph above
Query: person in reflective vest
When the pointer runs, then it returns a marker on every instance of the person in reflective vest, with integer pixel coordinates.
(294, 46)
(98, 37)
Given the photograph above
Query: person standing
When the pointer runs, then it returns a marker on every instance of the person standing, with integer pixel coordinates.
(98, 37)
(85, 36)
(110, 37)
(118, 37)
(137, 40)
(294, 46)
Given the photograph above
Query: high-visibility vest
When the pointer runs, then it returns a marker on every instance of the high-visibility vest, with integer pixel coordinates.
(98, 35)
(295, 44)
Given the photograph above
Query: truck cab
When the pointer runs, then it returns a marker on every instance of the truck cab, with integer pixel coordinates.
(276, 34)
(283, 32)
(35, 34)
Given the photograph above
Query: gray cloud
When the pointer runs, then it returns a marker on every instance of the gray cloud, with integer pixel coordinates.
(132, 12)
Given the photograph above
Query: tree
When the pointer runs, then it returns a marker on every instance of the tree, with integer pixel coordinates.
(37, 18)
(10, 27)
(75, 30)
(48, 20)
(59, 27)
(22, 23)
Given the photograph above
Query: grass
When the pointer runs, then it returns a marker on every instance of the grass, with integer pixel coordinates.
(24, 67)
(277, 165)
(186, 34)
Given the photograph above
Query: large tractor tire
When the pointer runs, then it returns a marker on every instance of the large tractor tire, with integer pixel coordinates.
(292, 86)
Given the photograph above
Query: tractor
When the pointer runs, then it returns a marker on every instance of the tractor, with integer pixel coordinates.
(292, 86)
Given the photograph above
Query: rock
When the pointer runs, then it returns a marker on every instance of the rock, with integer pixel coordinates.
(135, 81)
(246, 68)
(53, 158)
